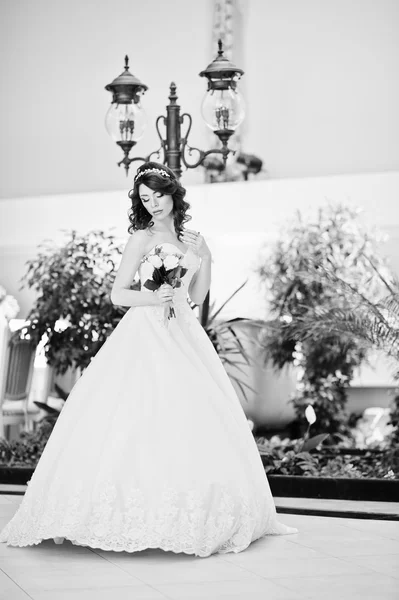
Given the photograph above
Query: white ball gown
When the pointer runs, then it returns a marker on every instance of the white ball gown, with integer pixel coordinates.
(152, 448)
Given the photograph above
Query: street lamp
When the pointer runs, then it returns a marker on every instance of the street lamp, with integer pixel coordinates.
(126, 120)
(222, 110)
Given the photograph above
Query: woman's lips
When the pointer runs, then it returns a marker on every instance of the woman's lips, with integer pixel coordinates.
(156, 212)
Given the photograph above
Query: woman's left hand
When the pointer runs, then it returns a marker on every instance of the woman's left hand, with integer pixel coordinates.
(196, 241)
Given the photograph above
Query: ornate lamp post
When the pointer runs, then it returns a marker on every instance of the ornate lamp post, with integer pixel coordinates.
(222, 109)
(125, 120)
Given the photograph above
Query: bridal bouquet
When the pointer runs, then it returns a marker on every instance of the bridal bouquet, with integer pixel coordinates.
(164, 268)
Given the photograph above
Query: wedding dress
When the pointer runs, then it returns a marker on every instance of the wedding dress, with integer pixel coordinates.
(152, 448)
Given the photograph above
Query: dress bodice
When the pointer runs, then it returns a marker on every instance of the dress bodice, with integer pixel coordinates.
(188, 260)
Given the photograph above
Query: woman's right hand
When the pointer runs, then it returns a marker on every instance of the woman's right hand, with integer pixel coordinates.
(165, 293)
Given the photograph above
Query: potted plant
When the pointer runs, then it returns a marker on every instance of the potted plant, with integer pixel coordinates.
(72, 309)
(325, 363)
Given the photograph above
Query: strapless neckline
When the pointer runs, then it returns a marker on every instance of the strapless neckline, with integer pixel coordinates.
(165, 244)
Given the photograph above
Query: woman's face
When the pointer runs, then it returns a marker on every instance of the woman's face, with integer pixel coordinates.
(155, 202)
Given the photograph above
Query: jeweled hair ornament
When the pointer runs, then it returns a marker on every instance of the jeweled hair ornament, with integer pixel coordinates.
(151, 170)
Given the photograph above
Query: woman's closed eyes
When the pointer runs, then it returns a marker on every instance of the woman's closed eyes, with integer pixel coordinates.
(145, 198)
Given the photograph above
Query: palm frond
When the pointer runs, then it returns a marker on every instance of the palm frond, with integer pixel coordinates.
(391, 304)
(380, 275)
(360, 325)
(242, 384)
(226, 360)
(349, 291)
(214, 315)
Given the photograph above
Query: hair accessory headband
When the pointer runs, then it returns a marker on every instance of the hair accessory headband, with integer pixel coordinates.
(151, 170)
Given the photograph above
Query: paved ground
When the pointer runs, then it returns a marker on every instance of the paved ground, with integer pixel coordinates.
(330, 559)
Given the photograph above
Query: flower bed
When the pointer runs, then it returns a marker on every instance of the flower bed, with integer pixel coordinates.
(331, 472)
(27, 450)
(287, 457)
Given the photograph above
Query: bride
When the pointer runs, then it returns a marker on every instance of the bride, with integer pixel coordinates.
(152, 448)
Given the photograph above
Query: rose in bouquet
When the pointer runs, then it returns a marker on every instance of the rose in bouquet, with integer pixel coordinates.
(164, 268)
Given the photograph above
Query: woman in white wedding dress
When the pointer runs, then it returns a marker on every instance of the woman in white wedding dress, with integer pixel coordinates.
(152, 448)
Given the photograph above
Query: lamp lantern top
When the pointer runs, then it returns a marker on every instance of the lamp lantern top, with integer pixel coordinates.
(221, 72)
(126, 87)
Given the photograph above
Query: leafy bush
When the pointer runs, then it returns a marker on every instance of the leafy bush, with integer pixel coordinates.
(296, 293)
(285, 457)
(73, 309)
(27, 450)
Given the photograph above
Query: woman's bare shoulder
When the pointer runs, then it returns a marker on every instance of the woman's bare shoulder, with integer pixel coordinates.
(136, 240)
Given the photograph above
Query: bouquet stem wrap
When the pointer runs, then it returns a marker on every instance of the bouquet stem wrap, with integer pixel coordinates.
(169, 312)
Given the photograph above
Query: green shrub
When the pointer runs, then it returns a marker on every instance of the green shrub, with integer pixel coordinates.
(296, 292)
(73, 309)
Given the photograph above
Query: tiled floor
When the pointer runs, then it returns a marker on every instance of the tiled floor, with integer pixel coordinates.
(330, 559)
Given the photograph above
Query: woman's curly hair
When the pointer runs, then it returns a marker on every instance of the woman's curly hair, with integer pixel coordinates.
(139, 217)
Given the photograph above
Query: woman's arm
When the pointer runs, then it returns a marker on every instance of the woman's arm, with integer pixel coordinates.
(121, 295)
(201, 282)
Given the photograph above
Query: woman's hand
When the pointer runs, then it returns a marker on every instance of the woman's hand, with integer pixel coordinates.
(165, 293)
(197, 242)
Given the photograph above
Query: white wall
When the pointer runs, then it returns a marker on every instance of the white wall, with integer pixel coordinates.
(322, 85)
(320, 81)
